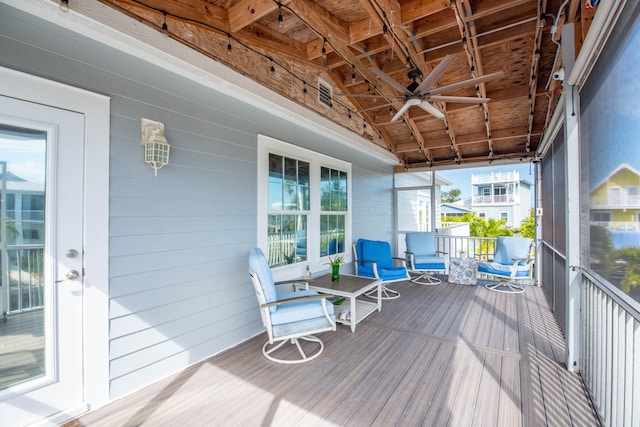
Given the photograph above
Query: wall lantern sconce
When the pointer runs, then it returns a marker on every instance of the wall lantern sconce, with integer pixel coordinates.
(156, 147)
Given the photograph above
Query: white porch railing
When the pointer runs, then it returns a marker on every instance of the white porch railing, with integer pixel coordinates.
(610, 353)
(480, 248)
(291, 247)
(22, 278)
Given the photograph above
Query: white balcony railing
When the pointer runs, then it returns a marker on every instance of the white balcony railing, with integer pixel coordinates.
(495, 177)
(626, 201)
(495, 199)
(22, 278)
(618, 225)
(610, 353)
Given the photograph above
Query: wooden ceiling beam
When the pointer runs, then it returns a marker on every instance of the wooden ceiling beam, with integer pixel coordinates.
(264, 38)
(397, 32)
(417, 135)
(441, 21)
(484, 8)
(151, 11)
(246, 12)
(416, 9)
(499, 37)
(364, 30)
(338, 37)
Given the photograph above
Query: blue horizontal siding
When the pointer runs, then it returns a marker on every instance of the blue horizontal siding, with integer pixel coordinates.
(178, 284)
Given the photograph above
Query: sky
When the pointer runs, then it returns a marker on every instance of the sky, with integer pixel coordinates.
(25, 155)
(611, 119)
(461, 178)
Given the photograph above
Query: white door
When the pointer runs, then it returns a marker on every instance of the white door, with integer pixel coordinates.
(41, 293)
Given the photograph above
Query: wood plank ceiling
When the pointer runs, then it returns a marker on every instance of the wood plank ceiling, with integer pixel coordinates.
(291, 45)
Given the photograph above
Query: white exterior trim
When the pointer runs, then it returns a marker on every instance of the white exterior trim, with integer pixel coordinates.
(316, 263)
(96, 109)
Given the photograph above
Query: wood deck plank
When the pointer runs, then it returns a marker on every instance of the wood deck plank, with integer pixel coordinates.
(440, 355)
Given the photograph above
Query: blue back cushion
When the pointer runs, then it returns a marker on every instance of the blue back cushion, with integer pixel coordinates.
(508, 248)
(258, 264)
(374, 251)
(421, 243)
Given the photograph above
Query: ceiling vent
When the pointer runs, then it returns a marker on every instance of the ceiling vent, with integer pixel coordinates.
(325, 93)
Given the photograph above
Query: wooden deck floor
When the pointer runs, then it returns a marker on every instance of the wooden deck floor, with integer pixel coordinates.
(21, 348)
(441, 355)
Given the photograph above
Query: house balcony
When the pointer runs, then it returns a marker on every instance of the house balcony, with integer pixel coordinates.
(498, 199)
(439, 355)
(495, 177)
(607, 202)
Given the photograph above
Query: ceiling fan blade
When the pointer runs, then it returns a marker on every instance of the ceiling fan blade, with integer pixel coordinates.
(381, 74)
(401, 111)
(464, 83)
(431, 109)
(459, 99)
(362, 95)
(377, 107)
(435, 74)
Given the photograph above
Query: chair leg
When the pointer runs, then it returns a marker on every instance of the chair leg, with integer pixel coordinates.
(296, 342)
(505, 287)
(386, 293)
(426, 279)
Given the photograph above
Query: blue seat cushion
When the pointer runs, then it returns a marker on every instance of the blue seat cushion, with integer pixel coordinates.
(503, 270)
(389, 274)
(303, 327)
(300, 311)
(425, 262)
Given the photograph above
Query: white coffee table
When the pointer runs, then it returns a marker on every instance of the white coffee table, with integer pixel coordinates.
(350, 287)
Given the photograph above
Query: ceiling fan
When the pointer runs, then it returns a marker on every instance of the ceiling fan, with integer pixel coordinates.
(419, 94)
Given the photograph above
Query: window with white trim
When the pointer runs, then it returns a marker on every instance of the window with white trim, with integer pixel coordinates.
(304, 206)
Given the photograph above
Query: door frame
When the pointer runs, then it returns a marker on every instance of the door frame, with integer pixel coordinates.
(96, 110)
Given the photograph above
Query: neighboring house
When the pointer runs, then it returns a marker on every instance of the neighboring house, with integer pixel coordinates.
(21, 249)
(454, 209)
(501, 195)
(615, 201)
(24, 210)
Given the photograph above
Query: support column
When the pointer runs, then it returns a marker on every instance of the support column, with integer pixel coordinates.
(572, 138)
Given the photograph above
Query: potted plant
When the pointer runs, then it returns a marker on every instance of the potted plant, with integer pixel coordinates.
(335, 267)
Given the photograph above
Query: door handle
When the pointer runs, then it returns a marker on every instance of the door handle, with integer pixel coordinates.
(71, 275)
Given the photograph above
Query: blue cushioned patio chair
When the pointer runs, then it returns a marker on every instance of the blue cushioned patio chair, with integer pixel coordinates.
(373, 259)
(289, 316)
(423, 258)
(512, 261)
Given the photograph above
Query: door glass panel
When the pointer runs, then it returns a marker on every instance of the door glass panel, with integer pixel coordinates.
(413, 212)
(22, 226)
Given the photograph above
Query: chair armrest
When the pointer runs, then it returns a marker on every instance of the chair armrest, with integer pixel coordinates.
(289, 282)
(404, 260)
(442, 252)
(410, 258)
(294, 299)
